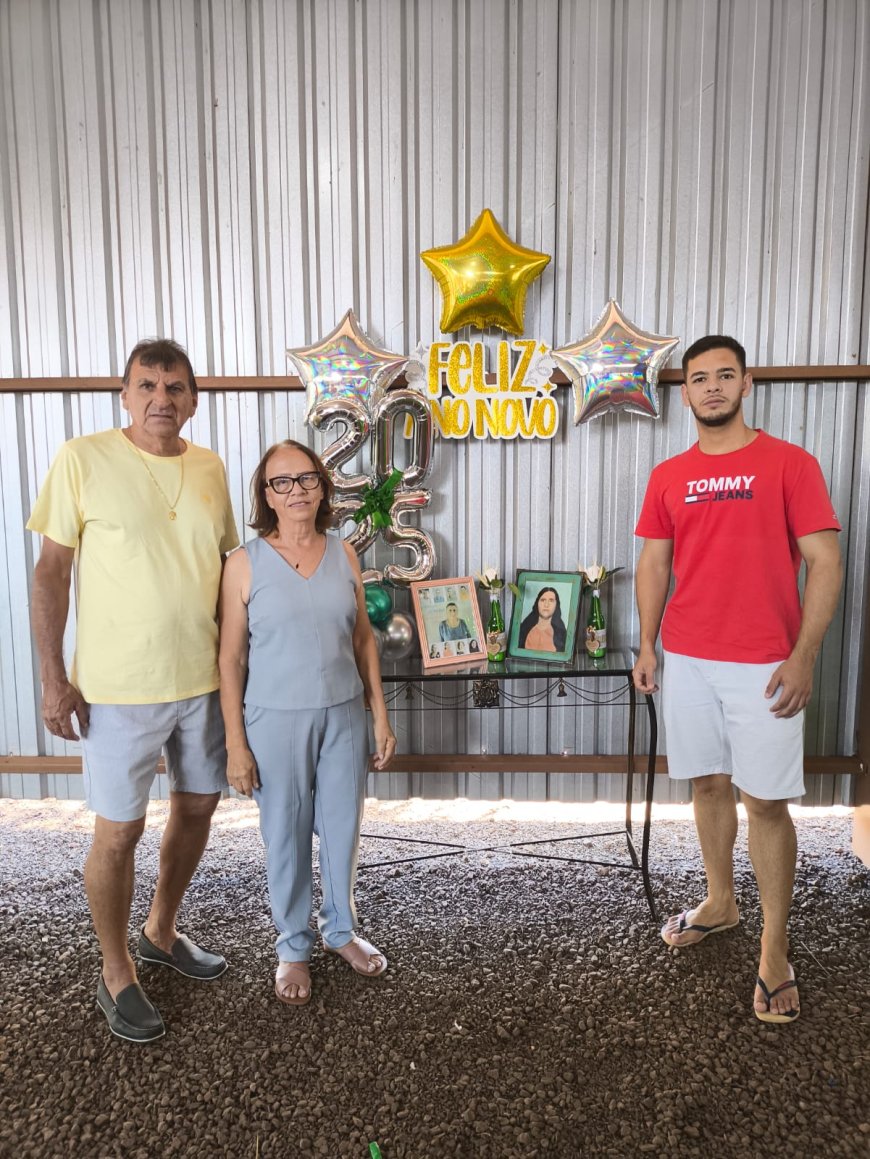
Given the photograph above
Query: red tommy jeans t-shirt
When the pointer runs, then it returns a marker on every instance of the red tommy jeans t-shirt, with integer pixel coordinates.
(734, 520)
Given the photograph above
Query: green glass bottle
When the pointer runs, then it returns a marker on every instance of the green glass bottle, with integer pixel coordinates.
(596, 628)
(495, 634)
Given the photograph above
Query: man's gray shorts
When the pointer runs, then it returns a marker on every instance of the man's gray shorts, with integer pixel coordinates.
(124, 743)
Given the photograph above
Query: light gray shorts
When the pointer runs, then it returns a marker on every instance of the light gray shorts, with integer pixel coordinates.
(124, 742)
(717, 720)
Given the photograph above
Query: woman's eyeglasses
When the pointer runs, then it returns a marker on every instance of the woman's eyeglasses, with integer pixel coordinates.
(283, 484)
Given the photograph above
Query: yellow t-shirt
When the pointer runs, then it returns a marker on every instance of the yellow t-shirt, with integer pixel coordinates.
(146, 585)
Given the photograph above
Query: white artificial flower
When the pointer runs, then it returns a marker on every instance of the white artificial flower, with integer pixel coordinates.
(593, 572)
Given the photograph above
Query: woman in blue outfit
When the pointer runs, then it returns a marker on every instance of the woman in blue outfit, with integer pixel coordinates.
(297, 656)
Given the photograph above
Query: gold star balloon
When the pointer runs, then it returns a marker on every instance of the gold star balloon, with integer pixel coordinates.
(484, 277)
(345, 364)
(615, 367)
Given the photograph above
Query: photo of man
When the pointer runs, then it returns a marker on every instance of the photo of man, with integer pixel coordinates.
(452, 627)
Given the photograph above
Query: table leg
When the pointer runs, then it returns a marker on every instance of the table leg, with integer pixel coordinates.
(629, 778)
(648, 800)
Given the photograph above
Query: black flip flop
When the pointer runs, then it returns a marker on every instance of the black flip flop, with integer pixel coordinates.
(769, 995)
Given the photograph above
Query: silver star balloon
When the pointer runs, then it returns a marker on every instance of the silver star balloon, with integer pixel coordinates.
(615, 367)
(345, 364)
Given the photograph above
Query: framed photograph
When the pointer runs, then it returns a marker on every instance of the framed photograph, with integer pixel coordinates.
(544, 619)
(448, 621)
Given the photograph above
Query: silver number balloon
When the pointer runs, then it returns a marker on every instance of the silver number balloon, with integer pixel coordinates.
(394, 405)
(325, 414)
(400, 636)
(397, 535)
(329, 412)
(364, 534)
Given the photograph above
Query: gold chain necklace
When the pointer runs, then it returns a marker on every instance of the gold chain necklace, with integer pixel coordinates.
(163, 494)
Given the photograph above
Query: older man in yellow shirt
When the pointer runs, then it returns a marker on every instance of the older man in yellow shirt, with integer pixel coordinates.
(144, 518)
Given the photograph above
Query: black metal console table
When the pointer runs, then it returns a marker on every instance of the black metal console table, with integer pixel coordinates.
(409, 686)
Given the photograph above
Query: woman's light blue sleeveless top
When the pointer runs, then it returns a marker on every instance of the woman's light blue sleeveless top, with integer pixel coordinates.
(300, 631)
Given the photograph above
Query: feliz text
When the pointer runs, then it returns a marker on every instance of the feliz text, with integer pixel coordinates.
(513, 403)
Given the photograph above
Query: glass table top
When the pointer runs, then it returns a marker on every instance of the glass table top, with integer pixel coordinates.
(615, 663)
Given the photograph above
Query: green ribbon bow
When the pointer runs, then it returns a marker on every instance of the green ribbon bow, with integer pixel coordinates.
(377, 501)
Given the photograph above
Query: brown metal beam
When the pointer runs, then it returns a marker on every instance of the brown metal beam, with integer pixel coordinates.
(849, 373)
(482, 763)
(576, 763)
(517, 763)
(204, 382)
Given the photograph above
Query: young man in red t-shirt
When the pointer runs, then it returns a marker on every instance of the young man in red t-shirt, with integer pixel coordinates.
(734, 517)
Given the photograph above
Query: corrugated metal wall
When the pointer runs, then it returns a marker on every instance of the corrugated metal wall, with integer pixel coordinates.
(238, 174)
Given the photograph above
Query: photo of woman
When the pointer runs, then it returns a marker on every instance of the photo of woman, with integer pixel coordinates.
(544, 616)
(543, 629)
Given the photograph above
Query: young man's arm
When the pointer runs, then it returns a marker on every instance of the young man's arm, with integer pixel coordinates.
(652, 582)
(49, 610)
(821, 552)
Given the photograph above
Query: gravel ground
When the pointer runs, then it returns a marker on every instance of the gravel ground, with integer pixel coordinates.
(530, 1008)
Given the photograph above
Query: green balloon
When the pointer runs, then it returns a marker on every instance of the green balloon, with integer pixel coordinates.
(379, 604)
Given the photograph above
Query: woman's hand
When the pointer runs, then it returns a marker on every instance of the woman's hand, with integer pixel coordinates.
(242, 771)
(385, 744)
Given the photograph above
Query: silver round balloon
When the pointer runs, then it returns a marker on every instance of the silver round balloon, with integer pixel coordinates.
(325, 414)
(400, 636)
(398, 535)
(378, 634)
(397, 404)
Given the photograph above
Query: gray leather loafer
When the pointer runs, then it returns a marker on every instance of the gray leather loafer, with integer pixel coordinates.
(185, 957)
(130, 1015)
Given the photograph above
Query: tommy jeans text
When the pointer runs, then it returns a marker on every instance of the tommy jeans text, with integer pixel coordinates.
(723, 487)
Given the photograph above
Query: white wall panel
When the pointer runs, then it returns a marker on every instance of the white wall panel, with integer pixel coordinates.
(237, 174)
